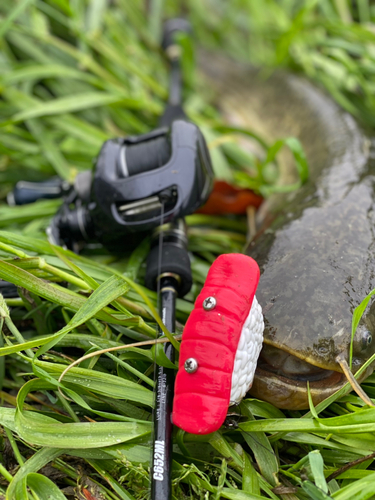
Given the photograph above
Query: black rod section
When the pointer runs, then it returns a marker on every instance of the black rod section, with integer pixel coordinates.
(174, 109)
(175, 83)
(162, 445)
(170, 286)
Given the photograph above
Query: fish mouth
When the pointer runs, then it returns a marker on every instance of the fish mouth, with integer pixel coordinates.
(281, 379)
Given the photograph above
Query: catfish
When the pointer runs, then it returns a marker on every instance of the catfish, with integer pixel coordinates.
(315, 246)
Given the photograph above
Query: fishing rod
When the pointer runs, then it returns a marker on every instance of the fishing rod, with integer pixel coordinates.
(142, 185)
(170, 259)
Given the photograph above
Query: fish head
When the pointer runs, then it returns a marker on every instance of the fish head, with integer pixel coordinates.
(316, 261)
(308, 305)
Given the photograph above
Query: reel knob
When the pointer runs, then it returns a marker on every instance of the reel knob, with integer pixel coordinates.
(27, 192)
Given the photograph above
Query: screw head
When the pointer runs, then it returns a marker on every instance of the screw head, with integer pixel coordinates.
(191, 365)
(209, 303)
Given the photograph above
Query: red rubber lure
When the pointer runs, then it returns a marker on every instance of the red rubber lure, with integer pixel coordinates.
(220, 345)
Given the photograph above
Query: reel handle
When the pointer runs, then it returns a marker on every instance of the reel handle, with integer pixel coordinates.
(27, 192)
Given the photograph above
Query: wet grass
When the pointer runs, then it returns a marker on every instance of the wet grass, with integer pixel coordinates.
(74, 74)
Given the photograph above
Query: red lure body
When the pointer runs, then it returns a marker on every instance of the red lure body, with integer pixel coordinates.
(211, 337)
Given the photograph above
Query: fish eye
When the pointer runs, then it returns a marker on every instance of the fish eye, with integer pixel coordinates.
(366, 339)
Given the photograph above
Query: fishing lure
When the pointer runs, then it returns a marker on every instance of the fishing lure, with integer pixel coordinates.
(220, 345)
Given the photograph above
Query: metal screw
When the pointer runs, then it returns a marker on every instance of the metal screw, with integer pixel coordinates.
(191, 365)
(209, 303)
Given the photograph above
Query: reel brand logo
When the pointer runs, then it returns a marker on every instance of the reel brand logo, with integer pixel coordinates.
(158, 466)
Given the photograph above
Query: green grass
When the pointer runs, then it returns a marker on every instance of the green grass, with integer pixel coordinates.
(75, 73)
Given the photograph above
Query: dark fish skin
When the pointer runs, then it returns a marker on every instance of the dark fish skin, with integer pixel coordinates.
(315, 247)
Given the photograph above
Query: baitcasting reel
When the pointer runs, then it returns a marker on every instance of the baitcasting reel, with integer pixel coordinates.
(137, 184)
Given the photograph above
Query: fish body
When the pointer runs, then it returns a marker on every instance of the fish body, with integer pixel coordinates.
(315, 247)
